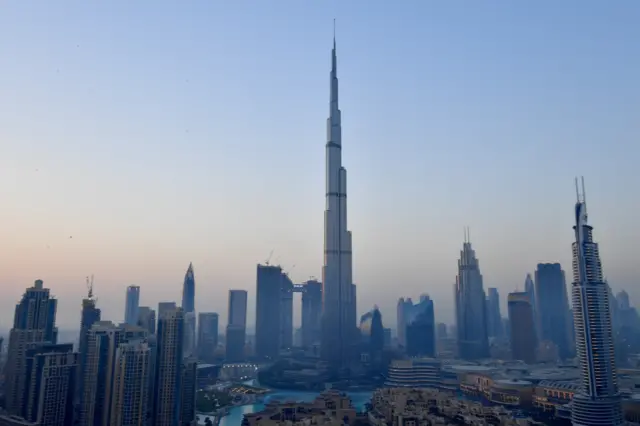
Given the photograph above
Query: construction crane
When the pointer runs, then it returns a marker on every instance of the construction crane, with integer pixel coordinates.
(269, 258)
(90, 287)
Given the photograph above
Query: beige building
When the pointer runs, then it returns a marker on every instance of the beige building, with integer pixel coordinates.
(131, 384)
(330, 408)
(419, 407)
(103, 363)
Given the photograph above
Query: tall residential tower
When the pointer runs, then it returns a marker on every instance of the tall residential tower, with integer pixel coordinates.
(34, 322)
(598, 401)
(339, 303)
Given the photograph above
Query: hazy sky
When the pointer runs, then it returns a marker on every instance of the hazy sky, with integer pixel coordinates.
(157, 133)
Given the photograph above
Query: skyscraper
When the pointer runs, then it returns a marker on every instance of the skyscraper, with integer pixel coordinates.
(530, 289)
(189, 345)
(269, 287)
(147, 319)
(403, 306)
(494, 318)
(189, 291)
(373, 334)
(552, 307)
(286, 312)
(188, 392)
(207, 336)
(132, 370)
(34, 322)
(237, 326)
(420, 328)
(598, 401)
(471, 313)
(622, 298)
(131, 305)
(168, 374)
(102, 363)
(51, 375)
(89, 316)
(311, 313)
(523, 336)
(339, 304)
(166, 307)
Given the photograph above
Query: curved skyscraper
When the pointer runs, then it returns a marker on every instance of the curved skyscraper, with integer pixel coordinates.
(339, 303)
(598, 402)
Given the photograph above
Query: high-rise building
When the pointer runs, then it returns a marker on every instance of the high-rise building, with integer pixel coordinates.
(188, 307)
(152, 341)
(237, 308)
(50, 384)
(311, 313)
(34, 322)
(372, 333)
(164, 307)
(168, 374)
(269, 292)
(132, 305)
(286, 312)
(530, 289)
(622, 298)
(387, 337)
(523, 336)
(403, 307)
(131, 375)
(98, 387)
(598, 401)
(471, 316)
(207, 336)
(420, 329)
(494, 318)
(237, 326)
(147, 319)
(339, 327)
(189, 291)
(189, 345)
(188, 392)
(90, 315)
(552, 307)
(441, 330)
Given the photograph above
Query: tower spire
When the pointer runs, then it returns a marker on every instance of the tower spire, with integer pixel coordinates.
(334, 33)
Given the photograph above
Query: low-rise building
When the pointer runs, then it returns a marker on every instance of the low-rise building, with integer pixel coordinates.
(330, 408)
(417, 407)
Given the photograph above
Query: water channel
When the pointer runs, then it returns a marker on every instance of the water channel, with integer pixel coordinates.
(234, 418)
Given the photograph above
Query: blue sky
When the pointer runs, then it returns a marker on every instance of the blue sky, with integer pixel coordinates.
(157, 133)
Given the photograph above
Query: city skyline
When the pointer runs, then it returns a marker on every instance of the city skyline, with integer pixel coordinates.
(84, 199)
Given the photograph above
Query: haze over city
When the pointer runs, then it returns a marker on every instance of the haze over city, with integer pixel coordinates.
(138, 137)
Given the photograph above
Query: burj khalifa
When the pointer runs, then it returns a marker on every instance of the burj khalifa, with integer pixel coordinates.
(339, 292)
